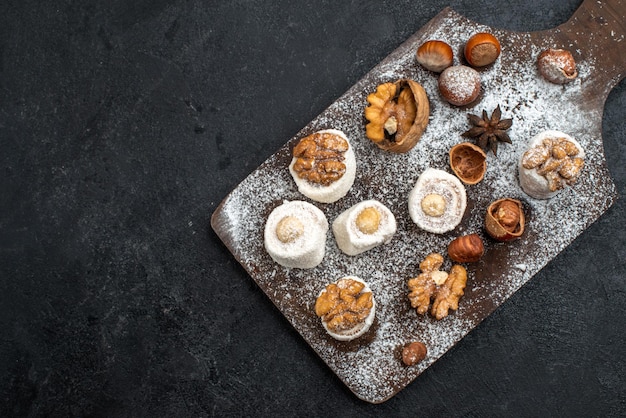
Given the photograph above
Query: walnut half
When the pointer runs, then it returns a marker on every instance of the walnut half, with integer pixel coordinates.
(446, 289)
(449, 294)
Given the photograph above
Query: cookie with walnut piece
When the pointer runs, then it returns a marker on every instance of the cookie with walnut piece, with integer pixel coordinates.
(346, 308)
(324, 165)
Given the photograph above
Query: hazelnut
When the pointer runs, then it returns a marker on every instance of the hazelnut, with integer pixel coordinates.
(505, 219)
(368, 220)
(413, 353)
(482, 49)
(433, 205)
(435, 56)
(459, 85)
(557, 66)
(466, 249)
(507, 214)
(289, 229)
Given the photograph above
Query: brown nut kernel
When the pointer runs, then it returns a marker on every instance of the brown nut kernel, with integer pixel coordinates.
(423, 287)
(413, 353)
(505, 219)
(448, 295)
(557, 66)
(466, 249)
(289, 229)
(433, 205)
(368, 220)
(434, 55)
(481, 49)
(468, 162)
(319, 158)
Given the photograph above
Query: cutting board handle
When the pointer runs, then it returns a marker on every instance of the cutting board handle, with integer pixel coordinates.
(598, 29)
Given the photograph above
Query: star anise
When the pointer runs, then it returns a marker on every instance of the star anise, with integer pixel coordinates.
(488, 131)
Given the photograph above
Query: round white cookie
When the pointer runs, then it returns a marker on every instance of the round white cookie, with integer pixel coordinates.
(335, 190)
(437, 202)
(534, 184)
(362, 327)
(364, 226)
(295, 234)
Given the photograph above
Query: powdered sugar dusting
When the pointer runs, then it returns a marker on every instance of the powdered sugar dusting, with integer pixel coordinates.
(371, 366)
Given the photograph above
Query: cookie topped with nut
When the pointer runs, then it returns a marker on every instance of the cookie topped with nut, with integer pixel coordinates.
(437, 202)
(552, 162)
(323, 165)
(364, 226)
(346, 308)
(295, 234)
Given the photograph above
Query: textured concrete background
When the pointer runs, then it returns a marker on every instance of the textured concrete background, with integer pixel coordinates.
(124, 124)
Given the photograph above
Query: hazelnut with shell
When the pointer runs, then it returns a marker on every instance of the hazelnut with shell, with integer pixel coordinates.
(466, 249)
(434, 55)
(557, 66)
(459, 85)
(505, 220)
(481, 49)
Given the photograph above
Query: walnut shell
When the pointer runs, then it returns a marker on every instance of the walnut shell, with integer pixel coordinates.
(397, 115)
(468, 162)
(466, 249)
(505, 219)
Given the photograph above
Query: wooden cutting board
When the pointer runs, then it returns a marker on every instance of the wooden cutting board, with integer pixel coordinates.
(370, 366)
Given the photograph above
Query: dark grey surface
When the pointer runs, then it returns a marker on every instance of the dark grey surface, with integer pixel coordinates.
(122, 127)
